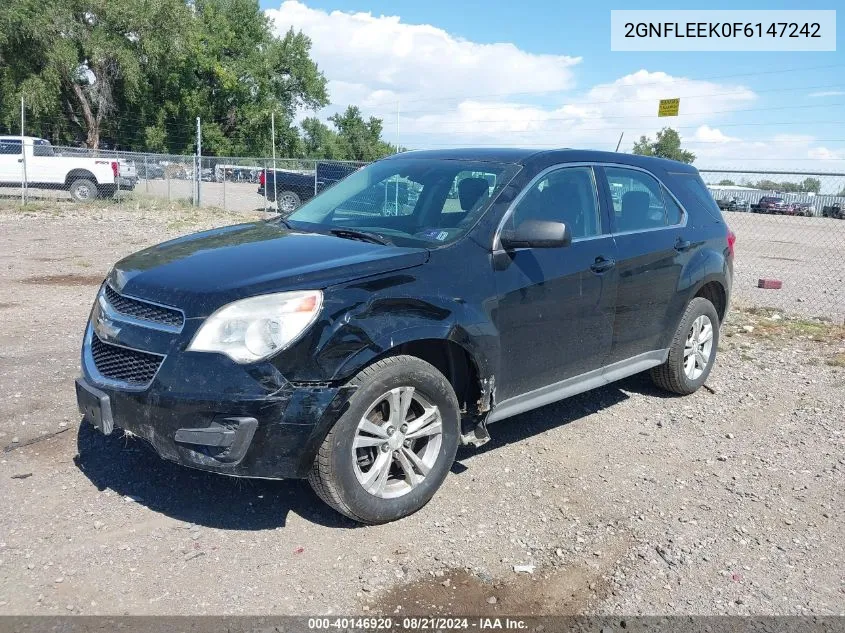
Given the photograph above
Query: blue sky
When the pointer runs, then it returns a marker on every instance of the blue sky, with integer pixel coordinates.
(560, 81)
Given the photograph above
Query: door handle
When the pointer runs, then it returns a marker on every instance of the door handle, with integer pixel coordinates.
(682, 245)
(602, 265)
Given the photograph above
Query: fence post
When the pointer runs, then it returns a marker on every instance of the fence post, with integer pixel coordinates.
(223, 171)
(24, 191)
(198, 170)
(273, 134)
(146, 176)
(117, 193)
(265, 185)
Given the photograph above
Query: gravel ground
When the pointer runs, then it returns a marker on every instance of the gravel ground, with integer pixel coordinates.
(619, 501)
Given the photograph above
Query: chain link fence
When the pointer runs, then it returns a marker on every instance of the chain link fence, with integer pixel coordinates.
(796, 238)
(48, 172)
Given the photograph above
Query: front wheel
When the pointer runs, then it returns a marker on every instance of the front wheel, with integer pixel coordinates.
(83, 190)
(693, 350)
(391, 450)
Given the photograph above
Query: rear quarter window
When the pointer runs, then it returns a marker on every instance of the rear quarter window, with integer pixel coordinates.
(690, 187)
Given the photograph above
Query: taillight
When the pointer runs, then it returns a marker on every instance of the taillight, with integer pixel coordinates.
(731, 242)
(115, 169)
(262, 177)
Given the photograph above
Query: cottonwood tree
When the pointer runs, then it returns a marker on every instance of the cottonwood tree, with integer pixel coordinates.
(666, 145)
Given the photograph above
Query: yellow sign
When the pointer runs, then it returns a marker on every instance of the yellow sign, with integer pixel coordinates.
(669, 107)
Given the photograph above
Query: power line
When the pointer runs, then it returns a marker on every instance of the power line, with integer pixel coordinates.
(655, 83)
(644, 100)
(634, 116)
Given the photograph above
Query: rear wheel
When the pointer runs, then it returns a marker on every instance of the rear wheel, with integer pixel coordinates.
(693, 350)
(83, 190)
(288, 202)
(389, 453)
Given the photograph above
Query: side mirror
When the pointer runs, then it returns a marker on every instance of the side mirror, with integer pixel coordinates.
(537, 234)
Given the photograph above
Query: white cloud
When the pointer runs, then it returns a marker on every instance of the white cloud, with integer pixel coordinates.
(827, 93)
(375, 60)
(453, 91)
(707, 134)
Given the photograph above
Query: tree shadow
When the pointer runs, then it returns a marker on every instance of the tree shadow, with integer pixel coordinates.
(131, 467)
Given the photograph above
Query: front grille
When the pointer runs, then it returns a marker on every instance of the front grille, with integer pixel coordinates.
(120, 363)
(142, 310)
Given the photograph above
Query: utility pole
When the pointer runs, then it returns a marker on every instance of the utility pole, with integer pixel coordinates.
(23, 154)
(198, 170)
(396, 196)
(273, 134)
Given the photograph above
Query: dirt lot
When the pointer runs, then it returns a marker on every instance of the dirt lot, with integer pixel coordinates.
(626, 501)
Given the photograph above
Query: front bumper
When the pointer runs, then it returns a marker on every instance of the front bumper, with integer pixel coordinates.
(204, 411)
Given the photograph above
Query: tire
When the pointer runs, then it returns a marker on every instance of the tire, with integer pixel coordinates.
(288, 201)
(83, 190)
(675, 374)
(341, 474)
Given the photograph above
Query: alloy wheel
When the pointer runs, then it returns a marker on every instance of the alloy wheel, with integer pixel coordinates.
(397, 443)
(698, 347)
(288, 203)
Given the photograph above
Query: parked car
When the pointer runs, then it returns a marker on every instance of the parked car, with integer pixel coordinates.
(770, 204)
(128, 175)
(83, 177)
(733, 204)
(358, 350)
(805, 209)
(292, 188)
(148, 170)
(833, 211)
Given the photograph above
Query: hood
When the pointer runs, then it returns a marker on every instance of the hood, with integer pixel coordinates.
(201, 272)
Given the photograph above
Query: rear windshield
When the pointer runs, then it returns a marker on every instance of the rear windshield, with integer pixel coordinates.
(408, 201)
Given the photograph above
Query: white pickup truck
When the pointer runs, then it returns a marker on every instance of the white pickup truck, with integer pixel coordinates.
(85, 178)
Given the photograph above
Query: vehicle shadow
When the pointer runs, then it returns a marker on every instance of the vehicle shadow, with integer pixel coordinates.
(558, 414)
(131, 468)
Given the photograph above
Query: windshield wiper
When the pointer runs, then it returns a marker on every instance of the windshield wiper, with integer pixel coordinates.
(364, 236)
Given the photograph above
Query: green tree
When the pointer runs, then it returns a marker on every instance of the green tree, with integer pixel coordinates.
(319, 140)
(77, 62)
(137, 73)
(666, 145)
(811, 185)
(726, 183)
(360, 139)
(808, 185)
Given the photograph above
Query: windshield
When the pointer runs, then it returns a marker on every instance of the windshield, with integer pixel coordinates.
(408, 201)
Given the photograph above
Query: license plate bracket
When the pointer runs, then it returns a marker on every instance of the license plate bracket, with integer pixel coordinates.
(95, 405)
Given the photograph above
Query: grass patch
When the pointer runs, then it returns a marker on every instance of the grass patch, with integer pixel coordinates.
(838, 360)
(771, 323)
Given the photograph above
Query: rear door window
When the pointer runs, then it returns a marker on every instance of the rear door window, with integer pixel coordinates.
(638, 204)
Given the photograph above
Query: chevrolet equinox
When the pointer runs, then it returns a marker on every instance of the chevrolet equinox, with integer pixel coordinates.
(359, 340)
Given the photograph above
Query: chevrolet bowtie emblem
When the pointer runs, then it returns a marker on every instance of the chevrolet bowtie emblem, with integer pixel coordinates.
(104, 327)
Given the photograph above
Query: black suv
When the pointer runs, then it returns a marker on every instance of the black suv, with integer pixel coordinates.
(358, 341)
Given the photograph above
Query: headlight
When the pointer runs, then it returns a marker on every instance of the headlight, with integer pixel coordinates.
(251, 329)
